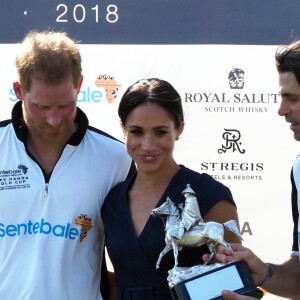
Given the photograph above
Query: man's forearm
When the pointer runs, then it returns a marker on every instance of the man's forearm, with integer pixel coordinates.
(285, 280)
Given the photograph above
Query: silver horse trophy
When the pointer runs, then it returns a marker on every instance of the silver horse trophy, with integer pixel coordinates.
(186, 228)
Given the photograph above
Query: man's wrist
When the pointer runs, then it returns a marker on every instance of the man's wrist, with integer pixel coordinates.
(269, 274)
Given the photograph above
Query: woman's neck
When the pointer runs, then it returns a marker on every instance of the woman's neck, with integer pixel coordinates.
(154, 181)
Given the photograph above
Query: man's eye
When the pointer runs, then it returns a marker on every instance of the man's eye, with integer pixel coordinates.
(64, 105)
(41, 106)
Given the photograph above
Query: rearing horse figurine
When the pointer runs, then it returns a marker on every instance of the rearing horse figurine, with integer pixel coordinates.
(198, 233)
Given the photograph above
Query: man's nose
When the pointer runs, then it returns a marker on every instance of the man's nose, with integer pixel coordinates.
(54, 117)
(284, 108)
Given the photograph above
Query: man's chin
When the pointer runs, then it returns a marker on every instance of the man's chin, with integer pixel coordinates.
(297, 136)
(54, 130)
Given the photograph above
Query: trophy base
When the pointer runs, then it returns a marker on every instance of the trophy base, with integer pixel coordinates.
(208, 285)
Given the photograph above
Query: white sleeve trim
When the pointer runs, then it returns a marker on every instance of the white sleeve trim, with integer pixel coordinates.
(295, 253)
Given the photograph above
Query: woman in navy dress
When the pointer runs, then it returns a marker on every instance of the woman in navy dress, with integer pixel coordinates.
(152, 121)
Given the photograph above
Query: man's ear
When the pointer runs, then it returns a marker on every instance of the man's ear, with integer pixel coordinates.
(18, 90)
(79, 84)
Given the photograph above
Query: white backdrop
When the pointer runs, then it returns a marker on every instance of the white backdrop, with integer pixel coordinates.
(260, 147)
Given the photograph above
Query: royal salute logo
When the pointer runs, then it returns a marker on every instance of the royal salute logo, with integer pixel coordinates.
(236, 78)
(233, 98)
(110, 86)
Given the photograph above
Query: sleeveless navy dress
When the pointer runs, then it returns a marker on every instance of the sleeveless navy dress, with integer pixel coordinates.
(134, 258)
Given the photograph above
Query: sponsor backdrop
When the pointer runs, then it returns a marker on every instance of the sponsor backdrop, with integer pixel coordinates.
(220, 57)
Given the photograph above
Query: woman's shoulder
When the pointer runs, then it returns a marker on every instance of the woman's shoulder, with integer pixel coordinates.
(204, 183)
(208, 190)
(118, 187)
(197, 176)
(118, 192)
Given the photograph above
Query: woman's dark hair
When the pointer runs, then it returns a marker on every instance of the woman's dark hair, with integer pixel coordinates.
(288, 59)
(152, 90)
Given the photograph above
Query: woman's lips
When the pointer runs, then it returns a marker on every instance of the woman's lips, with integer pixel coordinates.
(148, 157)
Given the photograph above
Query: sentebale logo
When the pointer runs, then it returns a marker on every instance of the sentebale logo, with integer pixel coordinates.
(41, 227)
(110, 86)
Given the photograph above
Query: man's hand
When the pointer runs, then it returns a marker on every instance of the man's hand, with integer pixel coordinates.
(223, 255)
(233, 296)
(257, 267)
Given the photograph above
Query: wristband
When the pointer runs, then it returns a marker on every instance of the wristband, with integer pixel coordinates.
(268, 275)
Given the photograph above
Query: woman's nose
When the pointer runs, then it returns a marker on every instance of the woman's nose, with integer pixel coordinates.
(148, 142)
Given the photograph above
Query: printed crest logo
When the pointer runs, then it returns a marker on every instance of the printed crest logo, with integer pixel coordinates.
(236, 78)
(232, 141)
(110, 86)
(16, 178)
(85, 223)
(228, 169)
(23, 168)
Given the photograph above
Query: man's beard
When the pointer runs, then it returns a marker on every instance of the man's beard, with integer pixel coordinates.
(31, 125)
(43, 130)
